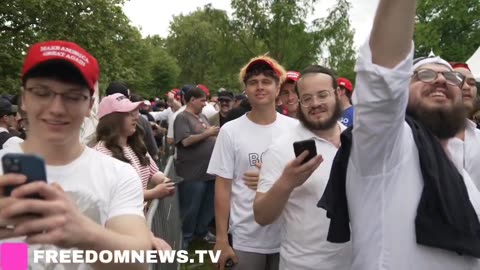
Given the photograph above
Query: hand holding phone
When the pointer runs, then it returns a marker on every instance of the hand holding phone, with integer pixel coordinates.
(33, 167)
(300, 146)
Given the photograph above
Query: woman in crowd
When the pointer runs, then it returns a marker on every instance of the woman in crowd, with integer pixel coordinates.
(119, 136)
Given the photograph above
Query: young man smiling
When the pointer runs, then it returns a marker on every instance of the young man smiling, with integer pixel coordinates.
(236, 157)
(90, 201)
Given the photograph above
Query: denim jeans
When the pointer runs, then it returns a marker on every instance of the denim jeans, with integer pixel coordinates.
(196, 208)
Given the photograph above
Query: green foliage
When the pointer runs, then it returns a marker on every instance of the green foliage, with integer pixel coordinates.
(451, 28)
(338, 40)
(211, 47)
(99, 26)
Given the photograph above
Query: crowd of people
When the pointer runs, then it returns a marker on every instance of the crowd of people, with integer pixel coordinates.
(394, 182)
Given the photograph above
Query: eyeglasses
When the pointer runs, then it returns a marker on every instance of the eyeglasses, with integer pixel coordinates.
(45, 95)
(428, 76)
(308, 100)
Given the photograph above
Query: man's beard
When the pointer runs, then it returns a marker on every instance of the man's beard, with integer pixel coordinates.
(327, 124)
(444, 123)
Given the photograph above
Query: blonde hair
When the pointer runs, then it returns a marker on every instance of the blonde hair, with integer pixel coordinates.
(277, 68)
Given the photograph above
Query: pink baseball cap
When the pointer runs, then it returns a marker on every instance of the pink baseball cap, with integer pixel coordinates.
(67, 51)
(117, 103)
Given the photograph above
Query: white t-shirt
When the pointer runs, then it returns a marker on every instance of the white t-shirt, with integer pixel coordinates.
(467, 152)
(305, 226)
(209, 110)
(102, 188)
(12, 141)
(384, 179)
(240, 144)
(171, 120)
(162, 115)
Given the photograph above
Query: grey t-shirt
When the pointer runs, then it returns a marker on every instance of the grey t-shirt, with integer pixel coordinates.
(192, 161)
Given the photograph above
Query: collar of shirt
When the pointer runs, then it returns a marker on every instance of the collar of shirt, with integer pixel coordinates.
(306, 133)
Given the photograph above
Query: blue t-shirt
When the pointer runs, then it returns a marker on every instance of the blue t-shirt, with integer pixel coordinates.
(347, 117)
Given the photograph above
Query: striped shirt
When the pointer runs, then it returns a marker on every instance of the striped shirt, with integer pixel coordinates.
(145, 172)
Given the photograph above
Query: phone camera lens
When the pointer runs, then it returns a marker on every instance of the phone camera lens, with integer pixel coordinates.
(7, 162)
(15, 168)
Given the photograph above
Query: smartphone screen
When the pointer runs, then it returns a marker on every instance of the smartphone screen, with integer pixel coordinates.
(33, 167)
(300, 146)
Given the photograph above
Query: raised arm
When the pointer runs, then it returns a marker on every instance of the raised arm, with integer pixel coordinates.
(392, 32)
(382, 88)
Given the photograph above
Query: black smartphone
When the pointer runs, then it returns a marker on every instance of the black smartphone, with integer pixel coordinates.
(301, 146)
(33, 167)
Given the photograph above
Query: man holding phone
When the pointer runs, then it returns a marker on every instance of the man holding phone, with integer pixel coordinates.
(90, 201)
(290, 187)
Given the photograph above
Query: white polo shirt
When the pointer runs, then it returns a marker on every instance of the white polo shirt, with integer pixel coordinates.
(304, 226)
(384, 179)
(467, 152)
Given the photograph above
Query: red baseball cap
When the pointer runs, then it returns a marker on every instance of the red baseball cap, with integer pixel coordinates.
(204, 88)
(175, 92)
(293, 76)
(459, 65)
(266, 61)
(63, 50)
(345, 83)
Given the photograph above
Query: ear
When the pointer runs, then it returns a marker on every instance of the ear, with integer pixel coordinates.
(90, 106)
(22, 96)
(277, 91)
(340, 92)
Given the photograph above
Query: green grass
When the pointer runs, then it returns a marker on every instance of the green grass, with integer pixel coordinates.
(198, 245)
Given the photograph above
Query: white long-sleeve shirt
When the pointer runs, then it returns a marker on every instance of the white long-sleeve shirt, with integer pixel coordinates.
(384, 179)
(467, 152)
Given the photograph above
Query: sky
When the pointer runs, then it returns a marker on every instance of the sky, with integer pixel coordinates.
(153, 16)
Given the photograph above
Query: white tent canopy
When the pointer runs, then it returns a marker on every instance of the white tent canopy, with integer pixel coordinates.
(474, 64)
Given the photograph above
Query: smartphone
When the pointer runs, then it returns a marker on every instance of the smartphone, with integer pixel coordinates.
(301, 146)
(33, 167)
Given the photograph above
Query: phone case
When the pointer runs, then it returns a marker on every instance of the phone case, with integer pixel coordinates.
(33, 167)
(301, 146)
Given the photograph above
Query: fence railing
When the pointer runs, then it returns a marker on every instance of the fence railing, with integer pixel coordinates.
(163, 218)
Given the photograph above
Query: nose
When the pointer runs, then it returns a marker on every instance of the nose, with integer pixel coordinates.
(57, 105)
(466, 87)
(440, 79)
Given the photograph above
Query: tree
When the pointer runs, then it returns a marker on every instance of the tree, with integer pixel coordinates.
(163, 68)
(451, 28)
(99, 26)
(279, 28)
(274, 27)
(202, 44)
(338, 40)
